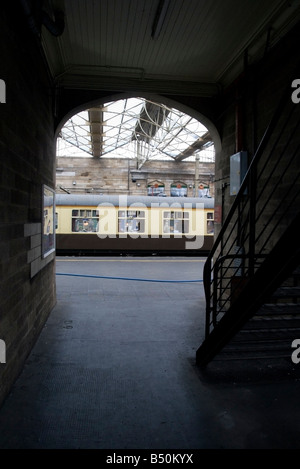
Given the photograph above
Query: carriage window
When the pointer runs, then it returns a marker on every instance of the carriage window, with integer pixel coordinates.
(210, 222)
(131, 221)
(85, 221)
(176, 215)
(176, 222)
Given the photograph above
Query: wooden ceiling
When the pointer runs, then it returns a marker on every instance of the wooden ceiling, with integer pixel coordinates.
(170, 47)
(199, 46)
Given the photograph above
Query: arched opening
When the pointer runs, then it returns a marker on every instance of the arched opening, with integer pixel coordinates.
(133, 148)
(170, 103)
(144, 131)
(155, 188)
(179, 189)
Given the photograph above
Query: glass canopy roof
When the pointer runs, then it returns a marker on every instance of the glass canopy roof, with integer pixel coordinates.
(135, 128)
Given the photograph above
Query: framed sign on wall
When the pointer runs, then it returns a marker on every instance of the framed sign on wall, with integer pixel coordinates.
(48, 221)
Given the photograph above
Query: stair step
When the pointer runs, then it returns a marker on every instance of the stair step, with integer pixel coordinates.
(296, 272)
(277, 311)
(266, 324)
(293, 280)
(281, 322)
(286, 292)
(253, 355)
(269, 334)
(283, 309)
(260, 343)
(258, 348)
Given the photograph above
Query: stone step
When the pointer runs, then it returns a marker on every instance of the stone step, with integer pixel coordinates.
(286, 292)
(260, 345)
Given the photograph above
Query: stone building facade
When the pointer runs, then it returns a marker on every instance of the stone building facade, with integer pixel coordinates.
(120, 176)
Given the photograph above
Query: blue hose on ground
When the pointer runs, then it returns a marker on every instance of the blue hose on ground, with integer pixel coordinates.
(128, 278)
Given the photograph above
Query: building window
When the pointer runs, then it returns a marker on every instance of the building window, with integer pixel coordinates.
(178, 189)
(176, 222)
(131, 221)
(203, 190)
(156, 188)
(210, 222)
(85, 221)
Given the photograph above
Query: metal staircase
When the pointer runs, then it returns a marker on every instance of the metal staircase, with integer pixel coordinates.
(251, 276)
(271, 330)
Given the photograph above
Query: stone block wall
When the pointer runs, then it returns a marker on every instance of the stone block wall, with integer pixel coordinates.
(120, 176)
(27, 161)
(253, 97)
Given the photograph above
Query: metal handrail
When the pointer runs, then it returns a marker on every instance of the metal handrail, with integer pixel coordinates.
(215, 286)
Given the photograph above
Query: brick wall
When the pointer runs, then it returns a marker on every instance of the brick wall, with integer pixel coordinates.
(27, 161)
(257, 92)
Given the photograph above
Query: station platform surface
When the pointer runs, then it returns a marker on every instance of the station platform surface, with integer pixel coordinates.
(114, 368)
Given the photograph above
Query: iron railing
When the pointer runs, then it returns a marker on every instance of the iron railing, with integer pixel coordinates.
(266, 204)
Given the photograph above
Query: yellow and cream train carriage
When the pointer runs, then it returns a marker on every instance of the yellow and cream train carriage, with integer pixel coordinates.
(103, 224)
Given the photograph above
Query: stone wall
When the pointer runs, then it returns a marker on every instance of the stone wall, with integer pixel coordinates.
(27, 162)
(120, 176)
(246, 108)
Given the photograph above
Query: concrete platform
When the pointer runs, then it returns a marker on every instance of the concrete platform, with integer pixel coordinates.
(114, 368)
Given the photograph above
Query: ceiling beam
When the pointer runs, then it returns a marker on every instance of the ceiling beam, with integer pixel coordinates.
(96, 130)
(196, 146)
(150, 120)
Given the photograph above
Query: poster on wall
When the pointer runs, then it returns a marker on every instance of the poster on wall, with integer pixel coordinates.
(48, 221)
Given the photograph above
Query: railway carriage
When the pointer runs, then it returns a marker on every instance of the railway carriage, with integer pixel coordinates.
(103, 224)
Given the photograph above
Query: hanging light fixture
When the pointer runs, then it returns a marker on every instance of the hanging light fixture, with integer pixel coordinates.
(159, 18)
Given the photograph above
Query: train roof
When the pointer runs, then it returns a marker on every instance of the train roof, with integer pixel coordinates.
(93, 200)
